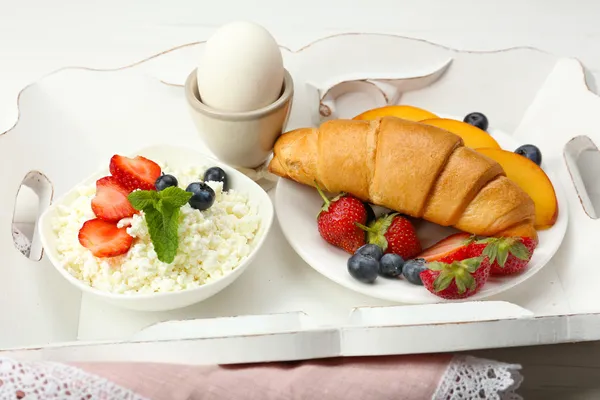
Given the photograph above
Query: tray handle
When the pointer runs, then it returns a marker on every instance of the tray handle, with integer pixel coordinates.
(583, 162)
(345, 98)
(11, 198)
(562, 122)
(39, 183)
(29, 284)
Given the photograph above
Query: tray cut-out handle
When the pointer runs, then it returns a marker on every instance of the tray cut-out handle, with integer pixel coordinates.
(345, 98)
(43, 189)
(560, 123)
(583, 162)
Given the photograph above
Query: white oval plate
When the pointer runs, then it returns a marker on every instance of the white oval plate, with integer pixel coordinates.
(297, 206)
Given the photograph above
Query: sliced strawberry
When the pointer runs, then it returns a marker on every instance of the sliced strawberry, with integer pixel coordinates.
(111, 203)
(134, 173)
(452, 246)
(104, 239)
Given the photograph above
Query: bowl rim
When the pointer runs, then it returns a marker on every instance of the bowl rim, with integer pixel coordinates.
(192, 97)
(59, 266)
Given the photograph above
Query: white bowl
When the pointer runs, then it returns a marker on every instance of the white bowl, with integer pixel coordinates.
(175, 157)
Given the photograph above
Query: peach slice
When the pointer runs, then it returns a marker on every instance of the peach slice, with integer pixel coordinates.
(471, 135)
(533, 180)
(405, 112)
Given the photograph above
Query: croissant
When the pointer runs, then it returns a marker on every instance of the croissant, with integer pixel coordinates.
(412, 168)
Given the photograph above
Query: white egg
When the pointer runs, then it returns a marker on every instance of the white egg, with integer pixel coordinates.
(241, 69)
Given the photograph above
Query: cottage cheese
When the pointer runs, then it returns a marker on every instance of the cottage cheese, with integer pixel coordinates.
(211, 243)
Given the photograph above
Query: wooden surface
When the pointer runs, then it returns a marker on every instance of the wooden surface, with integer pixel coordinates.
(37, 37)
(558, 372)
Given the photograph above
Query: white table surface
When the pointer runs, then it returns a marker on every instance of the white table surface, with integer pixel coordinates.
(38, 37)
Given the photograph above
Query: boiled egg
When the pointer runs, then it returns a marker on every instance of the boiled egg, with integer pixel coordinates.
(241, 68)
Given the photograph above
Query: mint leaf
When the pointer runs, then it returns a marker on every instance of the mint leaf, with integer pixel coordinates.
(142, 199)
(162, 227)
(174, 197)
(158, 205)
(162, 217)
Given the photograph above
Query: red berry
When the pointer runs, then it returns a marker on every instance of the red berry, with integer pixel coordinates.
(455, 246)
(508, 255)
(104, 239)
(111, 203)
(394, 234)
(457, 280)
(337, 221)
(135, 173)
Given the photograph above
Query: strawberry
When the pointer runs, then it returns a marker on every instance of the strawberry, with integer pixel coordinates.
(457, 246)
(104, 239)
(337, 221)
(111, 203)
(394, 234)
(508, 255)
(458, 279)
(135, 173)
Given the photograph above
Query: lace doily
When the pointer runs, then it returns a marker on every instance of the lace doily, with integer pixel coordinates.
(47, 380)
(477, 378)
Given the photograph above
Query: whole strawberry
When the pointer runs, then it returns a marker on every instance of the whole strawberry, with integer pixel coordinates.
(337, 221)
(456, 280)
(507, 255)
(394, 234)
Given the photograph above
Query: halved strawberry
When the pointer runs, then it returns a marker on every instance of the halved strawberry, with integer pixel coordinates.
(134, 173)
(455, 246)
(111, 203)
(104, 239)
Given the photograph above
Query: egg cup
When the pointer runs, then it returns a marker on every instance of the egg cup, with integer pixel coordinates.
(243, 140)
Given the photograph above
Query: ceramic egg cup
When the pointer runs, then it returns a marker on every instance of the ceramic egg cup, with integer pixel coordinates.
(244, 140)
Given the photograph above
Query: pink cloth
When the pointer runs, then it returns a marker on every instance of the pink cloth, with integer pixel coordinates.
(359, 378)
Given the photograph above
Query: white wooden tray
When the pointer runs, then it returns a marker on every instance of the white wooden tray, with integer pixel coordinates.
(71, 121)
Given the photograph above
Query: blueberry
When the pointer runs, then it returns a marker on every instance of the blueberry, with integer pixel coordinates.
(165, 181)
(531, 152)
(216, 174)
(391, 265)
(202, 195)
(370, 250)
(363, 268)
(477, 119)
(412, 269)
(370, 213)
